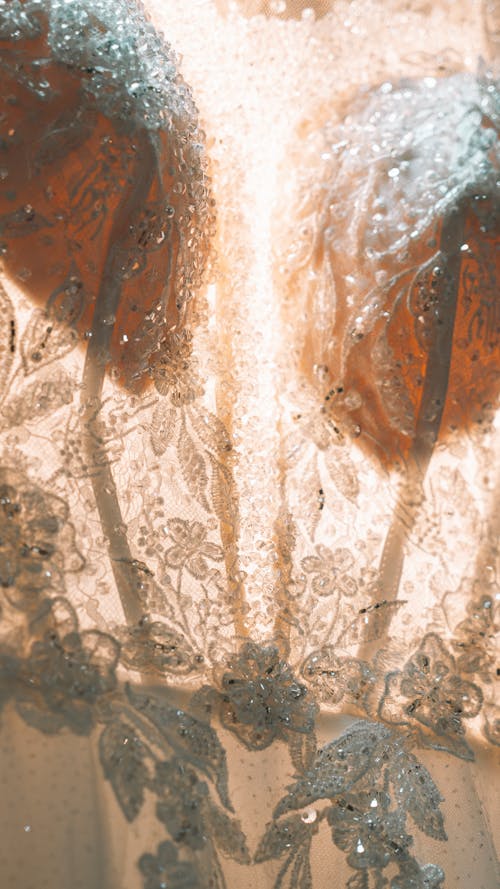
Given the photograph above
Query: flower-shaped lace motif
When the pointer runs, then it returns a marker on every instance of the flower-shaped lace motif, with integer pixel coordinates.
(330, 571)
(165, 871)
(66, 672)
(36, 540)
(261, 700)
(363, 826)
(191, 549)
(431, 696)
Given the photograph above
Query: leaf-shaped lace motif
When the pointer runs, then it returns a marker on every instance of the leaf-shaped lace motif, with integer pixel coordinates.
(126, 762)
(290, 837)
(312, 493)
(280, 836)
(222, 493)
(228, 835)
(342, 472)
(190, 738)
(163, 427)
(296, 872)
(419, 794)
(45, 340)
(40, 398)
(210, 430)
(193, 467)
(7, 338)
(337, 767)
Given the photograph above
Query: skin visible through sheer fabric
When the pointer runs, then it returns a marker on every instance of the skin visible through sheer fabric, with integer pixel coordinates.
(327, 555)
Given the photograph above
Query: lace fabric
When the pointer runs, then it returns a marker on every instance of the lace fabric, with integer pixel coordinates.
(249, 518)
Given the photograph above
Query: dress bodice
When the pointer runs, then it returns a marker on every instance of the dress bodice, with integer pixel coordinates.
(249, 363)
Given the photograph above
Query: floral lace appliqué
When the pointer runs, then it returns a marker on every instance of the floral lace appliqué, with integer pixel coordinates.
(429, 695)
(260, 700)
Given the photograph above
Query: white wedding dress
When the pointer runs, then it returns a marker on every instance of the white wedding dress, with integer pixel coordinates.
(249, 432)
